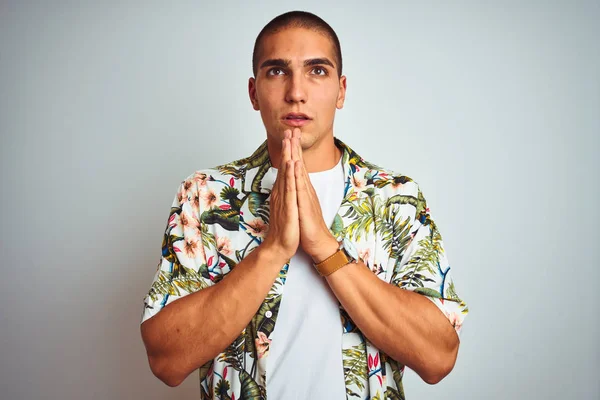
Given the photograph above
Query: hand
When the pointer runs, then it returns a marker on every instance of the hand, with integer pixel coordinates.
(283, 235)
(315, 238)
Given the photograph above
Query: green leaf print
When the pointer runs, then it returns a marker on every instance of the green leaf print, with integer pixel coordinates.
(337, 226)
(250, 389)
(257, 181)
(221, 390)
(451, 291)
(403, 199)
(255, 200)
(363, 214)
(395, 235)
(395, 180)
(267, 324)
(208, 238)
(228, 219)
(397, 374)
(425, 260)
(428, 292)
(230, 194)
(393, 394)
(233, 354)
(172, 283)
(355, 366)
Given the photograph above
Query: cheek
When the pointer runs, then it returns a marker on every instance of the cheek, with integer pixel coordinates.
(268, 102)
(327, 97)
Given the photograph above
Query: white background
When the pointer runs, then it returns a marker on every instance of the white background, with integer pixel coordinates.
(492, 107)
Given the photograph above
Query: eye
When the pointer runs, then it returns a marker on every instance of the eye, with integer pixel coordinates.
(270, 72)
(323, 70)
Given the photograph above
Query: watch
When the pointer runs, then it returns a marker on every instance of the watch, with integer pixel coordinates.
(345, 254)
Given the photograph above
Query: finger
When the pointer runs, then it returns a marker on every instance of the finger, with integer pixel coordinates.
(298, 133)
(281, 171)
(303, 179)
(297, 156)
(290, 185)
(285, 155)
(293, 142)
(300, 182)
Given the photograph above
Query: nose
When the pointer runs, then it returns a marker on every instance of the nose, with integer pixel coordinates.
(296, 91)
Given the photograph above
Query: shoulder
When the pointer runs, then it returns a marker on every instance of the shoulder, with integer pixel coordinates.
(201, 181)
(400, 193)
(389, 182)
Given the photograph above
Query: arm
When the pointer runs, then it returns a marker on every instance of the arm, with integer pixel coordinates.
(400, 316)
(196, 328)
(189, 332)
(405, 325)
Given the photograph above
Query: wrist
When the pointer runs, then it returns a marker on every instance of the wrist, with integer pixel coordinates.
(274, 253)
(327, 249)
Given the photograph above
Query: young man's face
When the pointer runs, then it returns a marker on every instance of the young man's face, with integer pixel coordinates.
(294, 76)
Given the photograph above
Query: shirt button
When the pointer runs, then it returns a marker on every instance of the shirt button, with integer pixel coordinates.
(268, 314)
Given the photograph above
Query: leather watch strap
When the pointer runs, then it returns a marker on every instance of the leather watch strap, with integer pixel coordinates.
(332, 263)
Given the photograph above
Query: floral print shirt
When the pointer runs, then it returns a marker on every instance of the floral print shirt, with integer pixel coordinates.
(220, 215)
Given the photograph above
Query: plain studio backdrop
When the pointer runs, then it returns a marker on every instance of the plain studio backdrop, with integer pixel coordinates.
(492, 107)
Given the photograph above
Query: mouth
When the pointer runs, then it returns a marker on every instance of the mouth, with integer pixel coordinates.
(296, 119)
(296, 116)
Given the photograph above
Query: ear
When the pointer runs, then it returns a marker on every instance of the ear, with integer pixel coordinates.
(252, 93)
(341, 93)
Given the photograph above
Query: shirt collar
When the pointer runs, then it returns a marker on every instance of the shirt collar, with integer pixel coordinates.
(260, 177)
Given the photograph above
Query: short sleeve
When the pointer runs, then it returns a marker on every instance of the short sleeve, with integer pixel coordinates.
(182, 267)
(424, 268)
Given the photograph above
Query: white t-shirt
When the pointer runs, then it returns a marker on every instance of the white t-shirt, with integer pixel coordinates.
(305, 357)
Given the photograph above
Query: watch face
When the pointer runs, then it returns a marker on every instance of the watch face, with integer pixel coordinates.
(350, 249)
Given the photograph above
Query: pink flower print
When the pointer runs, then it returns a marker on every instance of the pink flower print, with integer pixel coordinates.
(455, 320)
(257, 227)
(210, 198)
(184, 189)
(188, 221)
(224, 245)
(195, 202)
(182, 196)
(359, 184)
(262, 345)
(200, 178)
(365, 254)
(190, 247)
(187, 184)
(193, 248)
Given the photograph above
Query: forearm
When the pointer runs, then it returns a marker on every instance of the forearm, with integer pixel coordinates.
(196, 328)
(405, 325)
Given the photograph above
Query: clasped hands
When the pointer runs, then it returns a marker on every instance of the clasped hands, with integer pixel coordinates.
(295, 217)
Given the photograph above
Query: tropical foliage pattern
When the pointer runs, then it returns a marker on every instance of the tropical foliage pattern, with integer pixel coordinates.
(220, 215)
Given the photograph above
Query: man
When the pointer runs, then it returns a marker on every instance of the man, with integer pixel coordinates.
(302, 271)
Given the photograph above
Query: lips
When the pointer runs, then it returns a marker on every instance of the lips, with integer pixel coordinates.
(296, 119)
(296, 116)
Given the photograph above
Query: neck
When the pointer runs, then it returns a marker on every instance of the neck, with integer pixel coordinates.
(318, 156)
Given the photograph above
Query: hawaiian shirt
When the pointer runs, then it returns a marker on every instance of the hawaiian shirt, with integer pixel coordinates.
(220, 215)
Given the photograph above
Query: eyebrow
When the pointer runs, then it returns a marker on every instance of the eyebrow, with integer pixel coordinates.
(280, 62)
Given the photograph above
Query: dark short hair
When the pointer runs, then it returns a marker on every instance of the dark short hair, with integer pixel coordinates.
(298, 19)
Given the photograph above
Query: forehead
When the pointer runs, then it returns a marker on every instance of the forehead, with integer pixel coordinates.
(296, 44)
